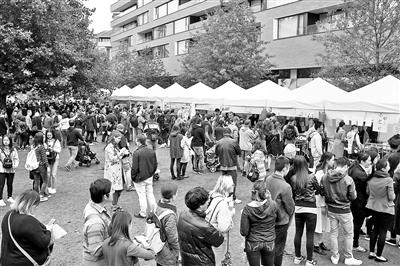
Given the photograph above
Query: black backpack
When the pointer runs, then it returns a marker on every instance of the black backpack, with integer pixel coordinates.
(7, 162)
(134, 121)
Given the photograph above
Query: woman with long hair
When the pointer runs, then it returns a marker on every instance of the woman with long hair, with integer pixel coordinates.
(326, 162)
(30, 234)
(8, 163)
(257, 225)
(339, 140)
(258, 158)
(220, 212)
(175, 152)
(113, 166)
(53, 149)
(119, 249)
(304, 186)
(40, 178)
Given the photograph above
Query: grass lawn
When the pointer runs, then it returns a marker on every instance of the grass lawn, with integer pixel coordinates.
(72, 196)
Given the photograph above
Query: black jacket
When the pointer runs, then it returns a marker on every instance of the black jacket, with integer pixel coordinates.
(73, 136)
(305, 197)
(360, 178)
(196, 237)
(30, 234)
(198, 136)
(144, 164)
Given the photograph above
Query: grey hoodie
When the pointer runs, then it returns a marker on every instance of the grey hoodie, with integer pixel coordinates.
(339, 191)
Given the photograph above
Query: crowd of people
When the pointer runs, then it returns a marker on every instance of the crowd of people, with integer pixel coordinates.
(324, 186)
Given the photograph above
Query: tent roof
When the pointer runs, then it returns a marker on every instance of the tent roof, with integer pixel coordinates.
(383, 91)
(319, 90)
(157, 91)
(202, 94)
(269, 90)
(123, 91)
(229, 90)
(140, 91)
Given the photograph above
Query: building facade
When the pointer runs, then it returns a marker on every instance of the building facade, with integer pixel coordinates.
(103, 42)
(165, 28)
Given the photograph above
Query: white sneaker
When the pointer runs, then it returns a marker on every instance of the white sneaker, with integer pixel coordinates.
(43, 198)
(2, 203)
(10, 200)
(352, 261)
(237, 201)
(52, 190)
(335, 259)
(360, 249)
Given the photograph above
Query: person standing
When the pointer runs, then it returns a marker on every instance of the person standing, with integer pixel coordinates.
(144, 166)
(354, 145)
(175, 152)
(281, 193)
(258, 158)
(196, 235)
(73, 137)
(53, 149)
(339, 140)
(9, 161)
(305, 186)
(257, 225)
(113, 166)
(360, 172)
(316, 143)
(228, 151)
(198, 142)
(3, 124)
(64, 125)
(339, 192)
(220, 213)
(96, 223)
(246, 139)
(90, 125)
(125, 160)
(380, 202)
(40, 178)
(186, 150)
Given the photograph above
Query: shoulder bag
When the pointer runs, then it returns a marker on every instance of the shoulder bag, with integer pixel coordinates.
(46, 263)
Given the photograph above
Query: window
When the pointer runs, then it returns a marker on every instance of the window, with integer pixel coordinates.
(143, 2)
(104, 39)
(303, 73)
(181, 2)
(129, 26)
(160, 51)
(275, 3)
(148, 36)
(181, 25)
(143, 18)
(161, 11)
(173, 6)
(291, 26)
(182, 47)
(160, 32)
(256, 5)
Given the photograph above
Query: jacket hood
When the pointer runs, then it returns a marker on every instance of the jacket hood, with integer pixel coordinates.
(335, 176)
(174, 134)
(260, 211)
(381, 174)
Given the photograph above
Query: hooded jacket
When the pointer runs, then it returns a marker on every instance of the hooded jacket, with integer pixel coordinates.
(257, 223)
(360, 178)
(199, 138)
(246, 138)
(175, 150)
(339, 191)
(381, 193)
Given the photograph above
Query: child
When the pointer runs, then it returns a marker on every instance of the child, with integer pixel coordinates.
(119, 249)
(185, 145)
(8, 163)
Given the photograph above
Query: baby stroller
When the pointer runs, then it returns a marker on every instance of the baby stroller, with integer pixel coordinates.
(212, 160)
(85, 155)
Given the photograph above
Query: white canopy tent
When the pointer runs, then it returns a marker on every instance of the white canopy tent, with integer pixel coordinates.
(231, 94)
(123, 93)
(177, 94)
(269, 94)
(202, 94)
(157, 91)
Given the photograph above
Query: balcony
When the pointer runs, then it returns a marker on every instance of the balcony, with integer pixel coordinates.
(122, 5)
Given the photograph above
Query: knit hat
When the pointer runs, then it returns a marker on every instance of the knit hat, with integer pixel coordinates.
(169, 190)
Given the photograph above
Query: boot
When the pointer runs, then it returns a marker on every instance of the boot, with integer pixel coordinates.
(173, 177)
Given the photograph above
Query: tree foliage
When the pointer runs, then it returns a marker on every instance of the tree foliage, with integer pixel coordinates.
(228, 48)
(367, 45)
(51, 43)
(131, 69)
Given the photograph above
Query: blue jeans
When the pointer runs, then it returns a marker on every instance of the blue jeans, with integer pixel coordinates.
(280, 242)
(264, 254)
(198, 158)
(345, 221)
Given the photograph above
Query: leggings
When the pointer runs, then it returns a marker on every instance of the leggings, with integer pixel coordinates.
(178, 167)
(116, 195)
(182, 171)
(9, 177)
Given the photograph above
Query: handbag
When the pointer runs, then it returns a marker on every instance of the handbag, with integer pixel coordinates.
(227, 261)
(46, 263)
(253, 174)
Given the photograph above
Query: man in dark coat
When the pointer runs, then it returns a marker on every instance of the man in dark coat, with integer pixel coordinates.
(196, 235)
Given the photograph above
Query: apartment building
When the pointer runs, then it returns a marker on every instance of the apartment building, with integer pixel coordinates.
(103, 42)
(167, 26)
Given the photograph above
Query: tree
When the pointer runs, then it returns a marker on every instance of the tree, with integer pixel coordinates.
(367, 45)
(59, 50)
(228, 48)
(131, 69)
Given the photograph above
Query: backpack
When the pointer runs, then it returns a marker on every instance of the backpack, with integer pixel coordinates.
(134, 121)
(155, 233)
(7, 162)
(32, 162)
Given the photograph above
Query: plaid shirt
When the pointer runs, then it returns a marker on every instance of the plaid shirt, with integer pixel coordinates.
(95, 231)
